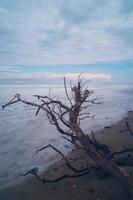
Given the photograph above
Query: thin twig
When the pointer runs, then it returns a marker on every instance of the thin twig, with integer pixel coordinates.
(67, 92)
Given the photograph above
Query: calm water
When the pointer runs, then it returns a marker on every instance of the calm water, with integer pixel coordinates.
(21, 132)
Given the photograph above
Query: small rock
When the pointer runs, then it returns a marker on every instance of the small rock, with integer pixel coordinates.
(129, 155)
(91, 190)
(52, 188)
(55, 169)
(17, 164)
(73, 150)
(74, 186)
(67, 146)
(5, 174)
(107, 127)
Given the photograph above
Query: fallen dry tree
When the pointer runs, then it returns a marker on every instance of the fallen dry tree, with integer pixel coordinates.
(66, 118)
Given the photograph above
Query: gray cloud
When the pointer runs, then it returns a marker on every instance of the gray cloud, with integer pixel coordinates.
(59, 31)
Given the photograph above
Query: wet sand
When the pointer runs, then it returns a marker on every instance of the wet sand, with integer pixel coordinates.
(88, 187)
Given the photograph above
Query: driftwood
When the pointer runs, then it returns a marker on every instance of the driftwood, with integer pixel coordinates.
(66, 119)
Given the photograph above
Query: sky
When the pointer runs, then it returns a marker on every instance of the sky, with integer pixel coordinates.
(42, 39)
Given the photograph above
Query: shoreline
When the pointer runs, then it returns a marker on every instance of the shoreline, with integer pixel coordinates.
(86, 187)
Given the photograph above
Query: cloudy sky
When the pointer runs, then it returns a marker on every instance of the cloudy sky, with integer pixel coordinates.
(43, 38)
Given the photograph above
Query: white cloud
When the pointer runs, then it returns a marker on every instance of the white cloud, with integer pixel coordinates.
(74, 76)
(14, 74)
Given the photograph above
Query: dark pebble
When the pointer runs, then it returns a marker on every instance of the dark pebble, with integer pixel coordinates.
(52, 188)
(91, 190)
(55, 169)
(67, 146)
(73, 149)
(5, 174)
(107, 127)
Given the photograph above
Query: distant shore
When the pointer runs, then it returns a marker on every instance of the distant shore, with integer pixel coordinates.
(88, 187)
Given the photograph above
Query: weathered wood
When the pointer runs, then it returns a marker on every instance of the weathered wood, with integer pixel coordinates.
(107, 166)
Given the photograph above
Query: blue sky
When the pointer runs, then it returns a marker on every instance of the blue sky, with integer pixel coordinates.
(50, 74)
(42, 37)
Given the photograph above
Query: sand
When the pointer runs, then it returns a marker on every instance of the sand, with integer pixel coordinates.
(88, 187)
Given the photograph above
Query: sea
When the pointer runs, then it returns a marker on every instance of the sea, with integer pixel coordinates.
(22, 133)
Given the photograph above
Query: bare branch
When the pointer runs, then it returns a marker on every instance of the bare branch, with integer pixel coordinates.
(44, 180)
(17, 98)
(85, 113)
(67, 176)
(39, 108)
(124, 161)
(66, 92)
(82, 118)
(129, 128)
(119, 152)
(94, 101)
(62, 155)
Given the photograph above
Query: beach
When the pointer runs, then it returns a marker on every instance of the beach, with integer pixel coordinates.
(88, 187)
